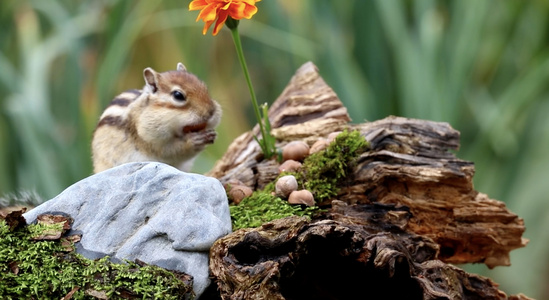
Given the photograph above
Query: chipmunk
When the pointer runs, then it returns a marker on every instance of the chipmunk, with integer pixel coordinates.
(171, 120)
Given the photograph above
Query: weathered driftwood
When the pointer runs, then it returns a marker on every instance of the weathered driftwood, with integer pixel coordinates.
(410, 165)
(429, 213)
(307, 109)
(359, 250)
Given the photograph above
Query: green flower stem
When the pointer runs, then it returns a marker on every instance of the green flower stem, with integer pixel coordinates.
(267, 151)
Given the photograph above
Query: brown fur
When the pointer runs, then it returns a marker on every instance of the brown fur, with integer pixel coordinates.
(151, 125)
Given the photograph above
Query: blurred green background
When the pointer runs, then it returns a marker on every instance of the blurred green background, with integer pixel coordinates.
(482, 66)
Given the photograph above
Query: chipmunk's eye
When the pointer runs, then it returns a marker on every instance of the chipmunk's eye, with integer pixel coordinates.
(179, 96)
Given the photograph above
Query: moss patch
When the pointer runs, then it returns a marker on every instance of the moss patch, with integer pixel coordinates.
(262, 207)
(321, 173)
(32, 269)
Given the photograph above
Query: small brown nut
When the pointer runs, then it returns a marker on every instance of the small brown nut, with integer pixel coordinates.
(232, 182)
(289, 166)
(319, 146)
(301, 197)
(332, 136)
(285, 185)
(296, 150)
(239, 192)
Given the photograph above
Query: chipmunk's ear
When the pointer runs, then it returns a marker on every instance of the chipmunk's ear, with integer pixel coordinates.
(181, 67)
(151, 79)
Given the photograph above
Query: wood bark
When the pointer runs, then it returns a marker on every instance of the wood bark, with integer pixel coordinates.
(408, 208)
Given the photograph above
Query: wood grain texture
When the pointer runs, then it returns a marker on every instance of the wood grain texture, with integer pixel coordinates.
(306, 110)
(407, 210)
(357, 250)
(409, 164)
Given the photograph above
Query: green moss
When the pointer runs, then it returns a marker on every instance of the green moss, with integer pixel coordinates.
(37, 230)
(262, 207)
(322, 174)
(45, 270)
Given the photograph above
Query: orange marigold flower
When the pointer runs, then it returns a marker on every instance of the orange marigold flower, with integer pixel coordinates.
(210, 10)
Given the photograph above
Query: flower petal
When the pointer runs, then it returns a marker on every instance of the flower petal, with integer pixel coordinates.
(249, 11)
(197, 4)
(218, 10)
(208, 13)
(242, 10)
(206, 27)
(222, 17)
(226, 6)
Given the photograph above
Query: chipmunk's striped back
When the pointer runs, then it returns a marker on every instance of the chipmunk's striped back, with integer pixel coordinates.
(116, 113)
(171, 120)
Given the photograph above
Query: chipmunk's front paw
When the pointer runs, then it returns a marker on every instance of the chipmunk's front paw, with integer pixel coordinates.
(202, 138)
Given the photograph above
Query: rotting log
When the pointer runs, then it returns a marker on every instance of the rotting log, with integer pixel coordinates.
(408, 209)
(357, 250)
(409, 164)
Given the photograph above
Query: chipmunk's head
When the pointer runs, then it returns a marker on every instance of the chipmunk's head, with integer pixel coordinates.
(178, 103)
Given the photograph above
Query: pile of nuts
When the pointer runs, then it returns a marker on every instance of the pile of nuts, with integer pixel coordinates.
(286, 187)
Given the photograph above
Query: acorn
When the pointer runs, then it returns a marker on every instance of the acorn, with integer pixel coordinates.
(285, 185)
(227, 185)
(289, 166)
(301, 197)
(296, 150)
(238, 192)
(319, 146)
